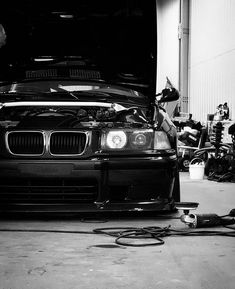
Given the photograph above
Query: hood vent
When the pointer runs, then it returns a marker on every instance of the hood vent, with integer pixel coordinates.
(72, 73)
(41, 73)
(84, 74)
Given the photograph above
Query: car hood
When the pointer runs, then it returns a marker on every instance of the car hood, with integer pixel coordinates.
(111, 41)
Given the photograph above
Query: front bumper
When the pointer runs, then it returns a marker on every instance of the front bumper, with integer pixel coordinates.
(111, 184)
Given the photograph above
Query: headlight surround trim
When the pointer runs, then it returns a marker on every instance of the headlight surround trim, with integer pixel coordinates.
(134, 140)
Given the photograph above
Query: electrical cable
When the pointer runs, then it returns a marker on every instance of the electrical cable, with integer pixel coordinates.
(157, 233)
(47, 231)
(154, 232)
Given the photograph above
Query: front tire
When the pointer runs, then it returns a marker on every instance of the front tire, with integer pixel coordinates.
(184, 163)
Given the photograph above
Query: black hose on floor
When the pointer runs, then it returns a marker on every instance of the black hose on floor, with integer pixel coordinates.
(134, 236)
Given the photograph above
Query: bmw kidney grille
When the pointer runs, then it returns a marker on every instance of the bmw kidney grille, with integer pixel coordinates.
(36, 143)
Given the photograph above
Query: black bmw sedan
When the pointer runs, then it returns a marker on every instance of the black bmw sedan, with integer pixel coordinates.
(81, 127)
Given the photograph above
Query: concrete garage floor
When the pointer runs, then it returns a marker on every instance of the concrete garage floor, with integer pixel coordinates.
(69, 261)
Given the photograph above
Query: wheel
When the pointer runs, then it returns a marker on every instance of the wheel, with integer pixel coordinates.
(184, 163)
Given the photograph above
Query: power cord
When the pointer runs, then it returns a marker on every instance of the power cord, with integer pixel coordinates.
(154, 233)
(157, 233)
(47, 231)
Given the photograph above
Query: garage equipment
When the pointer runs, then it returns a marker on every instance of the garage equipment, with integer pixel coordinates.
(189, 142)
(203, 220)
(154, 235)
(219, 157)
(206, 220)
(196, 169)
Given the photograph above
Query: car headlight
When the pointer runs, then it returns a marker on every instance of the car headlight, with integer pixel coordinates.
(140, 139)
(129, 139)
(116, 139)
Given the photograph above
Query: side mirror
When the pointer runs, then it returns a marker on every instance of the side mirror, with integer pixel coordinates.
(168, 95)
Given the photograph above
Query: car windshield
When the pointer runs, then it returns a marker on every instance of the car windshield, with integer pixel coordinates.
(67, 86)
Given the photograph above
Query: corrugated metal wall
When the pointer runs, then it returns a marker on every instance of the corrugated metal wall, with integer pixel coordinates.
(168, 42)
(168, 45)
(211, 57)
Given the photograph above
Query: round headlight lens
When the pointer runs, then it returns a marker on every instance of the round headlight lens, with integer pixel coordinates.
(116, 139)
(140, 139)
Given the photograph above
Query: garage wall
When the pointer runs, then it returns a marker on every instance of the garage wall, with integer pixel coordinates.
(168, 45)
(212, 56)
(168, 42)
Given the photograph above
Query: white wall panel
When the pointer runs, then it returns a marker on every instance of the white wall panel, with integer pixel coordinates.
(212, 56)
(168, 42)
